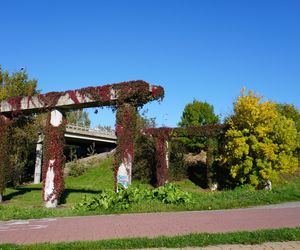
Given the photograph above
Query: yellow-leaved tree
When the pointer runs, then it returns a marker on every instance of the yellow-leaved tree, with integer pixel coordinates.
(260, 143)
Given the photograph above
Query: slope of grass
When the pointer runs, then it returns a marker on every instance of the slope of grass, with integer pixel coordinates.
(26, 201)
(192, 240)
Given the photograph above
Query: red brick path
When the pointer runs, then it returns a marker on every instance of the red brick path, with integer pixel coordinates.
(148, 225)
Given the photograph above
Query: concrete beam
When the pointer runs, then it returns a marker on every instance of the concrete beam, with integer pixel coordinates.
(80, 98)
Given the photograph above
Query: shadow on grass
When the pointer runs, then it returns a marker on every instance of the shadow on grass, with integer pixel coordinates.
(68, 191)
(23, 190)
(198, 175)
(20, 191)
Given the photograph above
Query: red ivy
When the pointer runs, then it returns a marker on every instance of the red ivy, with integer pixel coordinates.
(125, 131)
(135, 92)
(50, 99)
(15, 103)
(54, 145)
(157, 91)
(72, 95)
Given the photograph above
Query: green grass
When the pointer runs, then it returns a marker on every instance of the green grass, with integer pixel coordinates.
(25, 202)
(192, 240)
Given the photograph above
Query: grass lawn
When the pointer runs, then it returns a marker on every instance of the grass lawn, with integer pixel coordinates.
(25, 202)
(192, 240)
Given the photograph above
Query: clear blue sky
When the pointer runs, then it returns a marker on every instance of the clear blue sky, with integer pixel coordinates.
(203, 49)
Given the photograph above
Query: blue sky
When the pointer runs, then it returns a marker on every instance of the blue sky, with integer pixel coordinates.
(203, 49)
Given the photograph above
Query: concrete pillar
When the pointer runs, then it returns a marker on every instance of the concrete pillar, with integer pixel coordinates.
(38, 160)
(54, 160)
(125, 131)
(4, 153)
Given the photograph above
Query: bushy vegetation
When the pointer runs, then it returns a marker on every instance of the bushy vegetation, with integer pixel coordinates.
(23, 132)
(260, 143)
(16, 84)
(198, 113)
(78, 117)
(168, 194)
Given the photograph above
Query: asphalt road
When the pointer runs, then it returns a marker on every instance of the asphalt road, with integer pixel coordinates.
(149, 225)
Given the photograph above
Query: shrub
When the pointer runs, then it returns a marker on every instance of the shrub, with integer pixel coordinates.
(168, 194)
(76, 169)
(260, 143)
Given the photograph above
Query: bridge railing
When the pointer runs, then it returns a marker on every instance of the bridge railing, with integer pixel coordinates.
(99, 130)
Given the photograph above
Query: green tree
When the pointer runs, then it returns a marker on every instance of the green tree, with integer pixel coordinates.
(24, 130)
(24, 136)
(78, 117)
(260, 142)
(291, 112)
(198, 113)
(16, 84)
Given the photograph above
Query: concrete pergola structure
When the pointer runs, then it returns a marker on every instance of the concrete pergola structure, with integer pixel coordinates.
(124, 97)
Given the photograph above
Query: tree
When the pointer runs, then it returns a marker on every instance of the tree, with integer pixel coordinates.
(260, 142)
(143, 121)
(198, 113)
(24, 130)
(291, 112)
(78, 117)
(16, 84)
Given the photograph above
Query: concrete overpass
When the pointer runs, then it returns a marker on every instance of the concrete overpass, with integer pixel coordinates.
(78, 135)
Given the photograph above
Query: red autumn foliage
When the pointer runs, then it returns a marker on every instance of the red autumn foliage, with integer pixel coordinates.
(157, 91)
(54, 142)
(125, 131)
(15, 103)
(73, 96)
(135, 92)
(50, 99)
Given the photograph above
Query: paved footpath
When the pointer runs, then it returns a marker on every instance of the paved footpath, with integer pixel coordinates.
(149, 225)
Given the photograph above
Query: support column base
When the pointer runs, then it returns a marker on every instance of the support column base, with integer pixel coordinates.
(51, 204)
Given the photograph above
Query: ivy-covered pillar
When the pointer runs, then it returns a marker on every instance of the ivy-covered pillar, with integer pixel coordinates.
(161, 138)
(53, 183)
(162, 159)
(125, 131)
(4, 153)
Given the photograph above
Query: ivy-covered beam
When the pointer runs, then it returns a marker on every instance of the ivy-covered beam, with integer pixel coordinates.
(53, 183)
(204, 131)
(4, 153)
(136, 92)
(161, 137)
